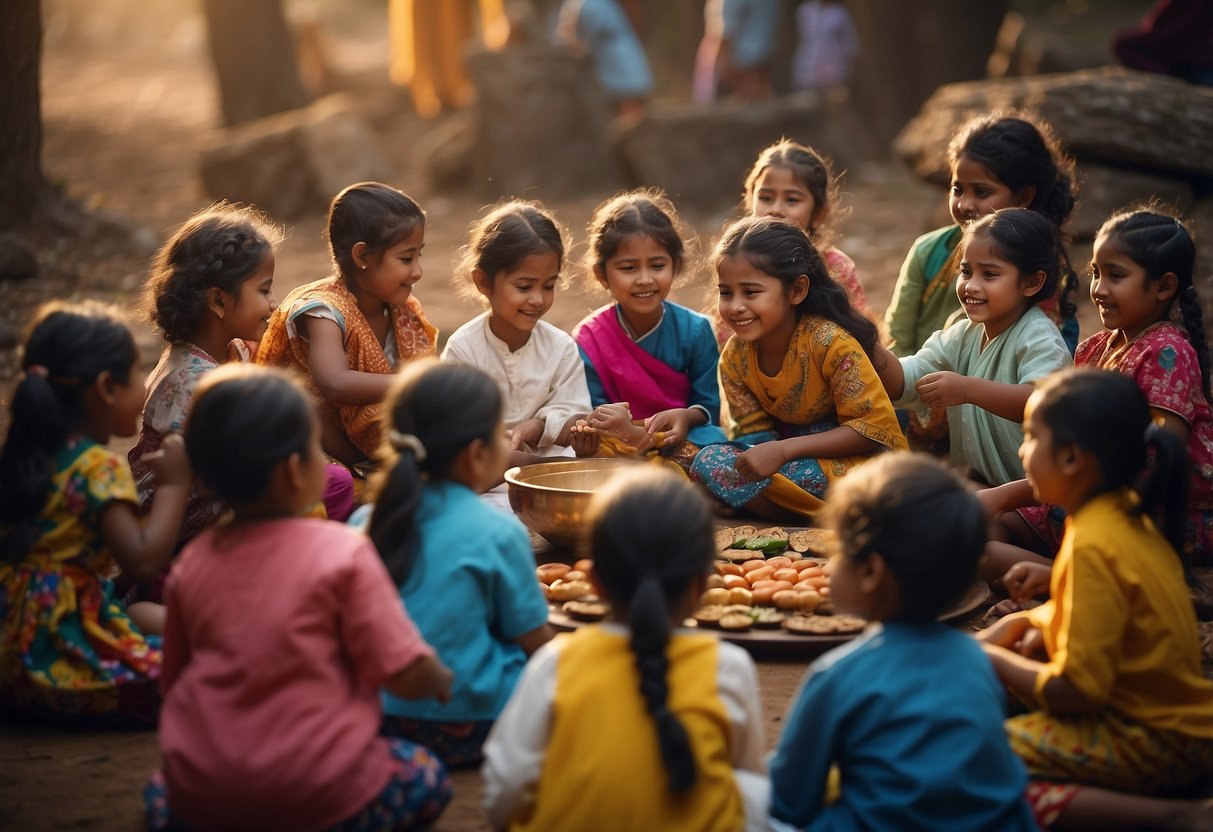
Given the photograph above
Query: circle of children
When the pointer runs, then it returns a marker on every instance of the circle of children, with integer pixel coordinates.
(294, 690)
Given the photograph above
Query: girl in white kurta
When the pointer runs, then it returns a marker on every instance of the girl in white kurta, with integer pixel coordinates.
(514, 261)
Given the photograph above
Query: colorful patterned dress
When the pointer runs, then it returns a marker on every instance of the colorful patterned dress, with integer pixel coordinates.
(1164, 365)
(67, 646)
(826, 381)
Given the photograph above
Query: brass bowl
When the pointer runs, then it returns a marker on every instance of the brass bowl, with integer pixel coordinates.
(551, 498)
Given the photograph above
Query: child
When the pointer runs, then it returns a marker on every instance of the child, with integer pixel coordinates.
(209, 292)
(1142, 269)
(635, 724)
(513, 260)
(474, 596)
(347, 333)
(796, 183)
(909, 712)
(805, 404)
(982, 369)
(281, 630)
(68, 514)
(654, 355)
(1111, 663)
(996, 161)
(826, 45)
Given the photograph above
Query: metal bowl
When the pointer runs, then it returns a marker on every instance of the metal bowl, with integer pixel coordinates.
(551, 498)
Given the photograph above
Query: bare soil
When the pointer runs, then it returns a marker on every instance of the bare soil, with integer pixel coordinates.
(128, 103)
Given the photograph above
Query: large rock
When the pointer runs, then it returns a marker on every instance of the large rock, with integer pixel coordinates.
(1105, 189)
(293, 163)
(541, 126)
(1109, 114)
(701, 154)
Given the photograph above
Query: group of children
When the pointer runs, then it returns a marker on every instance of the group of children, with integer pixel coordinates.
(308, 674)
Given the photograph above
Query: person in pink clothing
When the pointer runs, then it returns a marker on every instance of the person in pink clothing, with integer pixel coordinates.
(280, 632)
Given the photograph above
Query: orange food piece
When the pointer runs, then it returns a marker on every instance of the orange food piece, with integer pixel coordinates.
(723, 568)
(751, 565)
(735, 581)
(786, 574)
(779, 561)
(763, 574)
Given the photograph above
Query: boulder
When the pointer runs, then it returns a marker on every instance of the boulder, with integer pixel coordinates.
(1105, 189)
(700, 154)
(541, 125)
(1109, 114)
(293, 163)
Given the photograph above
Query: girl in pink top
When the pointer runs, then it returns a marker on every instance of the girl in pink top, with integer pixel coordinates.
(281, 631)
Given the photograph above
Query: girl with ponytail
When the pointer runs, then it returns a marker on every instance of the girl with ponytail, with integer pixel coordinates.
(1110, 665)
(465, 569)
(68, 516)
(635, 724)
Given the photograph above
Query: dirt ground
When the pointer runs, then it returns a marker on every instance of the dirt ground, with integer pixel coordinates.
(123, 131)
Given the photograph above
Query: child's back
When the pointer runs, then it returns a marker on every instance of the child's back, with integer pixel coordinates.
(263, 720)
(588, 681)
(920, 742)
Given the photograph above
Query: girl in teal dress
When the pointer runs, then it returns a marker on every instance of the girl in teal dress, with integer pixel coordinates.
(68, 521)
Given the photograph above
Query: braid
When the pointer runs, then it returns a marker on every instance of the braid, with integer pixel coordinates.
(650, 626)
(1189, 306)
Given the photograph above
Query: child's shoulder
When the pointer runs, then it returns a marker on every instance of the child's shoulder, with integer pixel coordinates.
(469, 330)
(549, 336)
(948, 235)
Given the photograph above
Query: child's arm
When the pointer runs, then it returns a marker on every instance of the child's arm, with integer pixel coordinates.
(766, 458)
(1000, 499)
(424, 678)
(536, 638)
(616, 420)
(947, 389)
(176, 642)
(901, 319)
(142, 548)
(568, 399)
(1020, 673)
(330, 368)
(517, 745)
(892, 375)
(673, 425)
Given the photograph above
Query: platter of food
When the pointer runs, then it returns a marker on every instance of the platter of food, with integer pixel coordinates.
(769, 591)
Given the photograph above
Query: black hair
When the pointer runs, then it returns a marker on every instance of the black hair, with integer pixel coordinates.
(1159, 242)
(1025, 239)
(1106, 414)
(506, 236)
(244, 421)
(67, 347)
(645, 213)
(445, 406)
(651, 537)
(784, 251)
(221, 247)
(1022, 151)
(919, 516)
(372, 213)
(812, 170)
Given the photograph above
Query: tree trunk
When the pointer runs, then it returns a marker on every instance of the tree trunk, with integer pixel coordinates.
(254, 58)
(22, 184)
(910, 47)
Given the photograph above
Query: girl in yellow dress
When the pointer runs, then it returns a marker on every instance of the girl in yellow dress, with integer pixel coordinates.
(805, 403)
(68, 517)
(1121, 715)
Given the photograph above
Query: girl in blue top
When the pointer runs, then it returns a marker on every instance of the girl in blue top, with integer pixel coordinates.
(656, 358)
(909, 712)
(465, 569)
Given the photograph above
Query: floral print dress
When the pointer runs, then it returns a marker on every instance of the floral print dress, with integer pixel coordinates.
(67, 646)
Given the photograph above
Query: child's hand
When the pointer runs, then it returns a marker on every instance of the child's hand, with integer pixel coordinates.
(526, 433)
(1025, 580)
(760, 461)
(1032, 644)
(611, 419)
(425, 678)
(672, 425)
(170, 465)
(943, 389)
(582, 439)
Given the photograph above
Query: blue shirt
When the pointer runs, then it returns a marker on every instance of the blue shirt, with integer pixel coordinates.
(620, 63)
(686, 341)
(912, 715)
(751, 26)
(471, 592)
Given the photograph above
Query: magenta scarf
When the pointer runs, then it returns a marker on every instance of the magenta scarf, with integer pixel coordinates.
(628, 373)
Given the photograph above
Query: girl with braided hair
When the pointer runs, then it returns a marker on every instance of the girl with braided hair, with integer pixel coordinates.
(1142, 284)
(635, 724)
(805, 403)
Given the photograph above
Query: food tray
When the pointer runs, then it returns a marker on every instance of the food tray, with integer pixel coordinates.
(779, 641)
